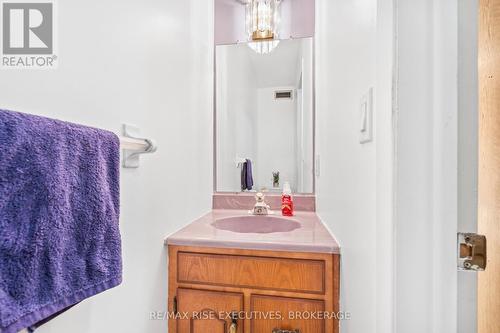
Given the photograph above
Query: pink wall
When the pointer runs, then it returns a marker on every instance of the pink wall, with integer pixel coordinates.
(229, 22)
(303, 18)
(297, 20)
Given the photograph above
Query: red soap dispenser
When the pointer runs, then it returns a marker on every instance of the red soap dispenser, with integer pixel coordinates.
(287, 200)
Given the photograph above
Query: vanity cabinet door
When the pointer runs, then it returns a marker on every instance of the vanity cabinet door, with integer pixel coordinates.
(287, 314)
(208, 311)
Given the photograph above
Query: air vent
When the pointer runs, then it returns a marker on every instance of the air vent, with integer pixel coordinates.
(283, 94)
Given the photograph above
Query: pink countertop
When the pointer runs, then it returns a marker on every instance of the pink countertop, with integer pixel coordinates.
(311, 236)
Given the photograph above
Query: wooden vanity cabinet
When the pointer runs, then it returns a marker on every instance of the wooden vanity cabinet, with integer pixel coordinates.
(265, 290)
(208, 305)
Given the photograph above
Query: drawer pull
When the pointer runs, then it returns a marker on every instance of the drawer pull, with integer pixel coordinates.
(234, 323)
(277, 330)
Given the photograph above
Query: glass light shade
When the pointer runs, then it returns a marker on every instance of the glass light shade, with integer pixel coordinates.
(264, 47)
(262, 19)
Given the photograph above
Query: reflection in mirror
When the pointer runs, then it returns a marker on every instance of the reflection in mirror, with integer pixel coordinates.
(265, 117)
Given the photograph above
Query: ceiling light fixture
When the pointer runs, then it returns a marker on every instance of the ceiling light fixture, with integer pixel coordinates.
(262, 21)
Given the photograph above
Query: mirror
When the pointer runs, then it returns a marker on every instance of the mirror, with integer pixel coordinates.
(264, 116)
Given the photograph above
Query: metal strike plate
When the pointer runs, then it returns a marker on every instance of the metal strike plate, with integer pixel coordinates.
(471, 252)
(277, 330)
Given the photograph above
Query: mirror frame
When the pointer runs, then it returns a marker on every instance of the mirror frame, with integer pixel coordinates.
(313, 125)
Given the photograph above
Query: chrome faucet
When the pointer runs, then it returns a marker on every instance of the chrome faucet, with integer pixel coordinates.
(260, 208)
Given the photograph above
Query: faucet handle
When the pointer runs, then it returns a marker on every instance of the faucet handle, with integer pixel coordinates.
(259, 197)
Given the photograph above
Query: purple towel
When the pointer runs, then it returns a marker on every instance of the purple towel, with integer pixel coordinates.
(59, 210)
(249, 175)
(243, 176)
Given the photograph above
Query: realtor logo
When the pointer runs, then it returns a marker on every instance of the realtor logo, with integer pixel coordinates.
(28, 34)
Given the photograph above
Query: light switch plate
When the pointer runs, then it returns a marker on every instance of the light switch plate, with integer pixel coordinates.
(366, 118)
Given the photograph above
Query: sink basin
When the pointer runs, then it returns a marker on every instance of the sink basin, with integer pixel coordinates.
(256, 224)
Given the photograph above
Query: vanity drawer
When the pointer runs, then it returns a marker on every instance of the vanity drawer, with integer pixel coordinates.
(281, 274)
(296, 314)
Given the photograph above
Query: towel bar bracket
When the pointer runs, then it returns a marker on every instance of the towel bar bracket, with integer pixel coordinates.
(134, 146)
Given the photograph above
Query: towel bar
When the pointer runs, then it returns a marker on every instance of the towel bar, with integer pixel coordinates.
(127, 143)
(133, 146)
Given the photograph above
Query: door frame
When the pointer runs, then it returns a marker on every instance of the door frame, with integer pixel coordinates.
(468, 146)
(435, 163)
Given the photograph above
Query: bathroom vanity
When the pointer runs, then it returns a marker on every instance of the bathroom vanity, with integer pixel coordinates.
(230, 271)
(233, 272)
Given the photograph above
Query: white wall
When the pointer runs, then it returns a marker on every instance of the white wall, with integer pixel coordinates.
(236, 109)
(276, 139)
(148, 63)
(346, 188)
(354, 51)
(384, 120)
